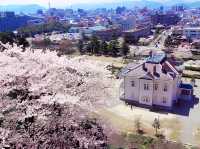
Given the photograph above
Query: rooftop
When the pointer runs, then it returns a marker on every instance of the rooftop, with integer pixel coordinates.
(186, 86)
(98, 28)
(156, 58)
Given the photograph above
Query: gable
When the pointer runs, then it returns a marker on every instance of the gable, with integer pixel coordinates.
(147, 76)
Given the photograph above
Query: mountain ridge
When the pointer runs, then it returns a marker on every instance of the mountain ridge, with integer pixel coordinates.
(32, 8)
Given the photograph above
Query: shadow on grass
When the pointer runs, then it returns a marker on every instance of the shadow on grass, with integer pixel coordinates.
(182, 107)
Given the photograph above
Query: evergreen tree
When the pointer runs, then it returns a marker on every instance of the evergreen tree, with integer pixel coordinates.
(131, 40)
(95, 45)
(81, 46)
(7, 37)
(21, 41)
(168, 41)
(47, 41)
(88, 48)
(113, 47)
(125, 49)
(11, 38)
(104, 48)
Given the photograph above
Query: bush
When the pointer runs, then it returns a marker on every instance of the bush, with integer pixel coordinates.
(9, 37)
(192, 68)
(195, 76)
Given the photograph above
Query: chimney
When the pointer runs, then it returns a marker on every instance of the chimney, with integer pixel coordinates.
(151, 53)
(144, 67)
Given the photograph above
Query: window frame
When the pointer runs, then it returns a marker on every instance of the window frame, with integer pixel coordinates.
(132, 83)
(146, 86)
(156, 86)
(146, 99)
(165, 89)
(164, 100)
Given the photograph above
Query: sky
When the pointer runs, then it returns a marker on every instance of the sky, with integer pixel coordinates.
(53, 2)
(59, 3)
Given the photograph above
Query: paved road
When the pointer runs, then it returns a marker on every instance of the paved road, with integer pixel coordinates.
(156, 44)
(160, 40)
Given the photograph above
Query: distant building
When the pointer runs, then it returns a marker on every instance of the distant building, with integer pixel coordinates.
(165, 19)
(178, 8)
(104, 33)
(177, 31)
(136, 34)
(7, 14)
(154, 82)
(192, 32)
(195, 47)
(103, 21)
(108, 33)
(126, 23)
(74, 30)
(56, 12)
(69, 12)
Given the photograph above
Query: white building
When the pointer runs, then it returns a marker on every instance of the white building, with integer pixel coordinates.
(192, 32)
(155, 82)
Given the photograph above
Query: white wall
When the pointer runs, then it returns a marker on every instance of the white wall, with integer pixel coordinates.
(160, 93)
(146, 93)
(149, 67)
(132, 93)
(137, 93)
